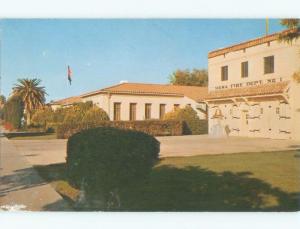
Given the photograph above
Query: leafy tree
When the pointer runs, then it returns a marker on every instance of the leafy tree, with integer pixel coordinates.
(2, 101)
(293, 24)
(196, 77)
(32, 94)
(13, 111)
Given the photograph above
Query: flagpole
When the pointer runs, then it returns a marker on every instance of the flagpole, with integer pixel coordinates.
(267, 26)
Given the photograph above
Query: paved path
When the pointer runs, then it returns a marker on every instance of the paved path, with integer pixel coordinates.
(21, 187)
(206, 145)
(43, 152)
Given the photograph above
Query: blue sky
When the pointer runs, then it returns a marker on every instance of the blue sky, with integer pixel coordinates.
(103, 52)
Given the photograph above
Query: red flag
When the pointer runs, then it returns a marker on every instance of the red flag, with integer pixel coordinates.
(69, 74)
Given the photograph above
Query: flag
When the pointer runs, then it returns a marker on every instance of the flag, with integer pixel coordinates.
(69, 74)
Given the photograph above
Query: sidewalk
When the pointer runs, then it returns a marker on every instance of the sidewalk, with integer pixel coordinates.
(20, 185)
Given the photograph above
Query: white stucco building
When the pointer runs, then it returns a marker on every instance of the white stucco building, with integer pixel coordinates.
(62, 103)
(138, 101)
(251, 90)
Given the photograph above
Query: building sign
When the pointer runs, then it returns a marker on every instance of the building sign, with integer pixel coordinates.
(248, 84)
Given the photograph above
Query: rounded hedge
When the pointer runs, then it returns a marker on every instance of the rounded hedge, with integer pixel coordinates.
(104, 160)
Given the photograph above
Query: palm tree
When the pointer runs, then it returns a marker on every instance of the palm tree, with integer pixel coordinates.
(32, 95)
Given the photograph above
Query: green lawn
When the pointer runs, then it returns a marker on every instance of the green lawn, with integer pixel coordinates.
(30, 136)
(267, 181)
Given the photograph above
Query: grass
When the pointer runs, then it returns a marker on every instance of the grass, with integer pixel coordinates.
(266, 181)
(31, 136)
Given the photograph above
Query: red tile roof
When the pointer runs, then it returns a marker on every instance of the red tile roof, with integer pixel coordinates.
(67, 101)
(264, 89)
(193, 92)
(250, 43)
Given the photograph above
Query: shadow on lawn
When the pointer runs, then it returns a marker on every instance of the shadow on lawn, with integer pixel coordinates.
(195, 189)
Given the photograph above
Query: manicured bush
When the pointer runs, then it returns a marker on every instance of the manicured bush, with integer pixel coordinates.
(102, 161)
(192, 123)
(152, 127)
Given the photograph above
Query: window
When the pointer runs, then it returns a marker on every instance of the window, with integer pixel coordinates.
(277, 110)
(176, 107)
(244, 69)
(224, 73)
(148, 111)
(132, 111)
(117, 111)
(269, 64)
(162, 110)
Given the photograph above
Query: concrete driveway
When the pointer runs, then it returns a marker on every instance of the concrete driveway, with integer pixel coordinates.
(43, 152)
(206, 145)
(21, 188)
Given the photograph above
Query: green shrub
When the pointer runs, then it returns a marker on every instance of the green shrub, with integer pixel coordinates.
(73, 117)
(59, 115)
(79, 112)
(192, 123)
(103, 161)
(152, 127)
(95, 114)
(43, 116)
(73, 113)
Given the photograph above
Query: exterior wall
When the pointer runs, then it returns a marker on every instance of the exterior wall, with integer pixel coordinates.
(55, 107)
(286, 61)
(106, 103)
(267, 117)
(295, 104)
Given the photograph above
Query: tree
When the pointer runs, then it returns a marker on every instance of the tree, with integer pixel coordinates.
(13, 111)
(2, 101)
(290, 37)
(32, 95)
(292, 24)
(196, 77)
